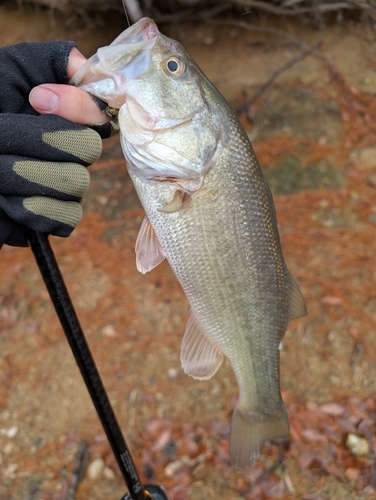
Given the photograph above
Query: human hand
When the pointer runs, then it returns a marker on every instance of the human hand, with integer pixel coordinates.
(67, 101)
(43, 160)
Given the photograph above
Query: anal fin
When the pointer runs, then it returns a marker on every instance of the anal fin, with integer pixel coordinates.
(149, 252)
(199, 357)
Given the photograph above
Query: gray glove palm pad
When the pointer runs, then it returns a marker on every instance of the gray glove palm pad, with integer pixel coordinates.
(39, 176)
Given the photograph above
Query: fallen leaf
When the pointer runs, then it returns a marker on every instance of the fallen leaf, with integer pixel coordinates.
(313, 435)
(352, 473)
(162, 440)
(332, 300)
(333, 409)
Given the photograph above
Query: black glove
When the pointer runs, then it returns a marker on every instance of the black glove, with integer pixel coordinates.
(43, 158)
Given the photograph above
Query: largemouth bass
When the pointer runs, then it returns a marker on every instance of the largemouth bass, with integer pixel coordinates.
(210, 213)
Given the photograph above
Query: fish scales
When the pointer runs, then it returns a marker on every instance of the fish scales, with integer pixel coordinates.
(218, 258)
(210, 212)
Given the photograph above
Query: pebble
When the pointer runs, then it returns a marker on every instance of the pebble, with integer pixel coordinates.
(108, 473)
(96, 468)
(172, 373)
(102, 200)
(357, 445)
(109, 331)
(12, 432)
(174, 466)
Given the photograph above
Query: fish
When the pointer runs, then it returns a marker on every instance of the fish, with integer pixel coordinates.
(210, 213)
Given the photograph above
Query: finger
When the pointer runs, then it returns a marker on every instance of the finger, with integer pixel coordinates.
(43, 214)
(75, 61)
(68, 102)
(50, 138)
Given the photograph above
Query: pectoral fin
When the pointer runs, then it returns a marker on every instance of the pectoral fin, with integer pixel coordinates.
(297, 307)
(199, 357)
(180, 202)
(149, 252)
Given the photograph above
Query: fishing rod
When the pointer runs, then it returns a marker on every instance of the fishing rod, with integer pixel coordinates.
(62, 302)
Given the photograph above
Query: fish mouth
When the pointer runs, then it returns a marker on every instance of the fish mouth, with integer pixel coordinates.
(145, 29)
(107, 73)
(125, 58)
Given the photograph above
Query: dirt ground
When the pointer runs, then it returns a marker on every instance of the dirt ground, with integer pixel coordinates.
(314, 132)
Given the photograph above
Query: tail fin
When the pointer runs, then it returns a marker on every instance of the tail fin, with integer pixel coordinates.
(249, 431)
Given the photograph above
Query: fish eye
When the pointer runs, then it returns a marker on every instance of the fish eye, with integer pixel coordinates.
(172, 66)
(175, 66)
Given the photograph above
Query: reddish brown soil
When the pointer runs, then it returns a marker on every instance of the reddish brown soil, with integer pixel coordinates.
(317, 112)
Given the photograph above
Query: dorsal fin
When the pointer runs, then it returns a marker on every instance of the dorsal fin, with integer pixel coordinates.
(199, 357)
(149, 252)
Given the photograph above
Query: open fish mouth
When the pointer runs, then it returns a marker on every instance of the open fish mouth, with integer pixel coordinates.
(142, 31)
(128, 56)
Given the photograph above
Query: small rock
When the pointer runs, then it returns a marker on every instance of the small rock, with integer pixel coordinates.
(109, 331)
(172, 373)
(171, 468)
(12, 432)
(102, 200)
(108, 473)
(357, 445)
(96, 468)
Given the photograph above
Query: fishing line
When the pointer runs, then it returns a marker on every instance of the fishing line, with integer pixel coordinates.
(126, 12)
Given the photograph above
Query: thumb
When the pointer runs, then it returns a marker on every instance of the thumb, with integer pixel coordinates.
(68, 102)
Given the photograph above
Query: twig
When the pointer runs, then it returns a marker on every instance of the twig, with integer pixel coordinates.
(275, 75)
(79, 469)
(260, 29)
(191, 15)
(273, 9)
(273, 31)
(288, 3)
